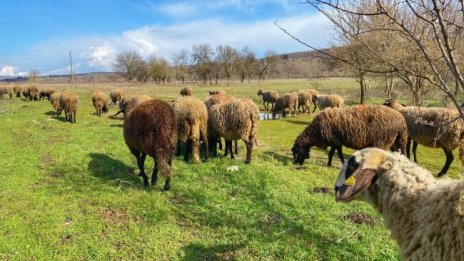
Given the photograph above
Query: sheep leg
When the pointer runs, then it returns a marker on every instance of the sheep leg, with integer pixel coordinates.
(205, 142)
(188, 148)
(219, 142)
(212, 143)
(449, 160)
(229, 149)
(414, 150)
(340, 154)
(154, 175)
(249, 147)
(314, 107)
(236, 146)
(272, 106)
(265, 107)
(331, 153)
(178, 149)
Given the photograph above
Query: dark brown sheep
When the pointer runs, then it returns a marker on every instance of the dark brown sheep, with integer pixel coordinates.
(129, 103)
(100, 102)
(116, 95)
(186, 91)
(31, 93)
(55, 101)
(68, 103)
(216, 92)
(46, 93)
(151, 129)
(357, 127)
(268, 97)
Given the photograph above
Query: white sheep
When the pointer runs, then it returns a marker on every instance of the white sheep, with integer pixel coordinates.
(425, 215)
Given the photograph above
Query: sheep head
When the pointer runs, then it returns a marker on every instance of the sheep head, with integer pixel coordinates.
(300, 153)
(360, 172)
(259, 92)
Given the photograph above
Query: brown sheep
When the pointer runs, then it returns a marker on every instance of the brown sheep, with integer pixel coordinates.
(212, 135)
(186, 91)
(329, 101)
(129, 103)
(54, 100)
(268, 97)
(357, 127)
(314, 93)
(151, 129)
(305, 99)
(31, 93)
(233, 120)
(100, 102)
(422, 131)
(116, 96)
(288, 100)
(216, 92)
(17, 89)
(68, 103)
(47, 92)
(5, 90)
(192, 125)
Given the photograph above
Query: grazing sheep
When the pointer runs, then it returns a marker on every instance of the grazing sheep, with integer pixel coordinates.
(268, 97)
(4, 90)
(305, 99)
(186, 91)
(216, 92)
(68, 103)
(357, 127)
(288, 100)
(54, 100)
(31, 93)
(314, 93)
(116, 95)
(424, 215)
(192, 125)
(47, 92)
(100, 102)
(213, 137)
(421, 129)
(151, 129)
(129, 103)
(17, 89)
(329, 101)
(233, 120)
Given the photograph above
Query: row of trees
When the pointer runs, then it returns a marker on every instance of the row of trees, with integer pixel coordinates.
(203, 64)
(418, 42)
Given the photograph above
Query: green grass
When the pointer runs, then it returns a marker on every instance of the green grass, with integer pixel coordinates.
(70, 192)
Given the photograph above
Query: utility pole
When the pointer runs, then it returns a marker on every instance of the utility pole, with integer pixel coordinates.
(70, 64)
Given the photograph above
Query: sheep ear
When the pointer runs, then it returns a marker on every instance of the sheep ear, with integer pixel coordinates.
(360, 180)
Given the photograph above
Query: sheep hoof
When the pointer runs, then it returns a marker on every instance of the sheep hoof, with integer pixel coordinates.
(167, 185)
(441, 174)
(247, 161)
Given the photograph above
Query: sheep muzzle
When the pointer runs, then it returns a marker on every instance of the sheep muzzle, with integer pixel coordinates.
(360, 180)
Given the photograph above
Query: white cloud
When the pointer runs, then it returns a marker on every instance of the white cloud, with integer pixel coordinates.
(182, 9)
(98, 52)
(8, 71)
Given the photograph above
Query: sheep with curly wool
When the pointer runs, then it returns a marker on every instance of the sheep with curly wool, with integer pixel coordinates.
(129, 103)
(192, 125)
(186, 91)
(268, 97)
(116, 96)
(68, 103)
(151, 129)
(305, 98)
(435, 128)
(100, 101)
(356, 127)
(213, 92)
(45, 93)
(286, 101)
(329, 101)
(234, 120)
(314, 93)
(424, 215)
(17, 89)
(54, 100)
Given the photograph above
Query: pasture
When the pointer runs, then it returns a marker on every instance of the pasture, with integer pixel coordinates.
(71, 191)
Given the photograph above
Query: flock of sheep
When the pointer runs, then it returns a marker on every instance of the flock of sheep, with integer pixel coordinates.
(425, 214)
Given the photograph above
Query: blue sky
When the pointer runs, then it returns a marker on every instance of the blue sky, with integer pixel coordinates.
(40, 34)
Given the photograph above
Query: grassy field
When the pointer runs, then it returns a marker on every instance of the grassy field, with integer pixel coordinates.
(70, 192)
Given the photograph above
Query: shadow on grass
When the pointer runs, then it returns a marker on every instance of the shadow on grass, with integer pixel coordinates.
(286, 160)
(117, 125)
(298, 122)
(197, 251)
(113, 171)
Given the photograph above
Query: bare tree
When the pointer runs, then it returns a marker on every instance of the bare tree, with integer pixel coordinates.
(269, 60)
(33, 75)
(250, 63)
(181, 62)
(202, 58)
(127, 63)
(226, 56)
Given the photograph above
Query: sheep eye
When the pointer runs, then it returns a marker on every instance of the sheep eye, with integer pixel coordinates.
(352, 165)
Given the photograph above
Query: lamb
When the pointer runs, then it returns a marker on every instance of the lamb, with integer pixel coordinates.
(100, 102)
(192, 124)
(305, 99)
(288, 100)
(233, 120)
(357, 127)
(421, 129)
(54, 100)
(116, 96)
(424, 215)
(68, 103)
(186, 91)
(127, 104)
(151, 129)
(47, 92)
(216, 92)
(329, 101)
(268, 97)
(17, 89)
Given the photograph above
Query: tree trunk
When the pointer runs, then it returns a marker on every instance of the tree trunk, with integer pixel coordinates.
(362, 83)
(457, 91)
